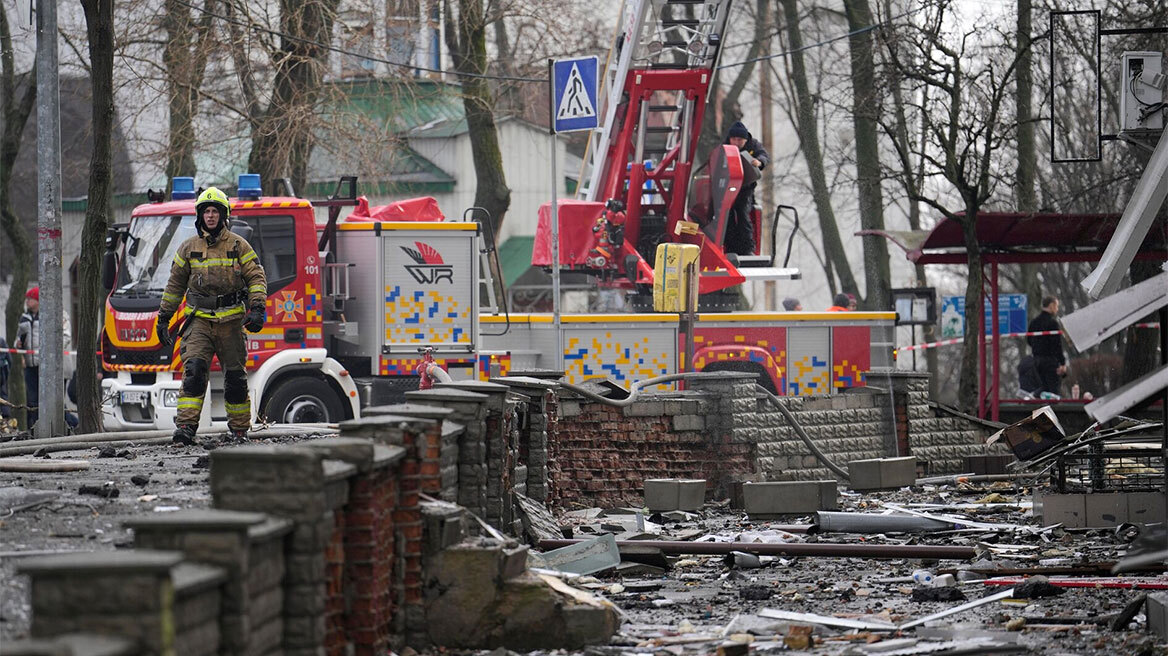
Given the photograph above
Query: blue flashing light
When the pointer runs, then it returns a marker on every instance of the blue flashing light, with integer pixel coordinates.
(182, 188)
(249, 186)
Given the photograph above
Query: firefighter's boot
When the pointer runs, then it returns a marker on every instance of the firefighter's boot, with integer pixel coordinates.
(184, 434)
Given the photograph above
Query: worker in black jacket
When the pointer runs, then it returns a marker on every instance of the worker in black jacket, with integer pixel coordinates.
(740, 228)
(1048, 349)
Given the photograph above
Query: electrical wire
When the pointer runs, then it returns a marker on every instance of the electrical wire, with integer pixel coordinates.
(342, 51)
(511, 78)
(824, 42)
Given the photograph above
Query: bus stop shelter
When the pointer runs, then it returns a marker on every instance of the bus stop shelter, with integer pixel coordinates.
(1015, 238)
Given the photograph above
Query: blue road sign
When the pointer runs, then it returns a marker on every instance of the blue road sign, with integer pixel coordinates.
(1011, 315)
(574, 101)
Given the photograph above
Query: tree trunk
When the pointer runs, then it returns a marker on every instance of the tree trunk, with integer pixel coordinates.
(866, 109)
(282, 134)
(16, 110)
(99, 21)
(1025, 175)
(467, 40)
(833, 248)
(184, 56)
(967, 392)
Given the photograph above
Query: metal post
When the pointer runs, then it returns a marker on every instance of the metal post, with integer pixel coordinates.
(689, 318)
(978, 315)
(555, 222)
(51, 407)
(996, 351)
(1163, 316)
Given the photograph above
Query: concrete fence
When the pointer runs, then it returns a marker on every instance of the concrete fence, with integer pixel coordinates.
(363, 542)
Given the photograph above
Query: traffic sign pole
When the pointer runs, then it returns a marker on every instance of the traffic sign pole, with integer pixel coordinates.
(555, 220)
(573, 99)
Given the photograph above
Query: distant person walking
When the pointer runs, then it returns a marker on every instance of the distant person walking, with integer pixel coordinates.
(841, 303)
(1049, 358)
(30, 337)
(792, 304)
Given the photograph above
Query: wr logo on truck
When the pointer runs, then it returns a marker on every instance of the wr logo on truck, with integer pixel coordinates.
(429, 267)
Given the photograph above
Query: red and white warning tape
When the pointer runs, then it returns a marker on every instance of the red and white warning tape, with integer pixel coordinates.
(30, 351)
(958, 340)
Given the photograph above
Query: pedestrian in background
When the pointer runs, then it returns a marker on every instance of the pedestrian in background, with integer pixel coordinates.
(29, 337)
(1049, 358)
(5, 368)
(792, 304)
(839, 303)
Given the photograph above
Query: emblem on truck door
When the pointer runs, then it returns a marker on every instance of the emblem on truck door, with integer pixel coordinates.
(429, 267)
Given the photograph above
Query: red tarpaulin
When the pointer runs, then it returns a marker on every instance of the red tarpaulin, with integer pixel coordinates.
(577, 217)
(412, 209)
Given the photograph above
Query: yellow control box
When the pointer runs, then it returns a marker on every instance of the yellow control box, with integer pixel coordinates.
(669, 281)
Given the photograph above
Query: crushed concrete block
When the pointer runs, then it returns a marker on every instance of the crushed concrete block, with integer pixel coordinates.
(691, 494)
(1157, 613)
(473, 601)
(988, 464)
(1105, 508)
(661, 494)
(788, 497)
(664, 494)
(1067, 509)
(882, 473)
(1145, 507)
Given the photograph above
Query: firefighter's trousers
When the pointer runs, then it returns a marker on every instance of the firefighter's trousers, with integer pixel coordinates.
(201, 340)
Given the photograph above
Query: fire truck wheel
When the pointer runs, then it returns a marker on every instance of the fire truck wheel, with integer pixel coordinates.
(303, 400)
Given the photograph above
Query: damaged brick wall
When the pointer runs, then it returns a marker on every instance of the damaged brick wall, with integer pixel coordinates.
(723, 430)
(603, 454)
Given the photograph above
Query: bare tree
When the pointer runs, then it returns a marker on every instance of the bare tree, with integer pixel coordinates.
(866, 108)
(836, 264)
(911, 176)
(184, 54)
(99, 20)
(282, 125)
(466, 37)
(16, 108)
(963, 81)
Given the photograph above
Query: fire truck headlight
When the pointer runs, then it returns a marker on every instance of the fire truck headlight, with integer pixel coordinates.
(170, 398)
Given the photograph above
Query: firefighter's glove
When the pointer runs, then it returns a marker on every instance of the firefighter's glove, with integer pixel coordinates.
(254, 321)
(162, 329)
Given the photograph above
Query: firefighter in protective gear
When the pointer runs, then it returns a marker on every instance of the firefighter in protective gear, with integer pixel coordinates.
(220, 275)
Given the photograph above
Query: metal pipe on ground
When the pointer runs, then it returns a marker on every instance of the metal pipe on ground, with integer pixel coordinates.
(819, 549)
(954, 479)
(850, 522)
(151, 437)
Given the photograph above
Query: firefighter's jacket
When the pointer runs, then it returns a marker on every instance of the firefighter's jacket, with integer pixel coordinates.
(220, 280)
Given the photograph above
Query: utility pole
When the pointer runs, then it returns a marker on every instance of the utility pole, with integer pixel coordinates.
(768, 177)
(51, 406)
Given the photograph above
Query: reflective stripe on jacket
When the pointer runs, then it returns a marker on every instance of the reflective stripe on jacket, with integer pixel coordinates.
(229, 265)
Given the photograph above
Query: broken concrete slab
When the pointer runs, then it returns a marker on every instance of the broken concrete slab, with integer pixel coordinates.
(469, 604)
(1099, 509)
(774, 499)
(586, 557)
(882, 473)
(665, 494)
(1157, 613)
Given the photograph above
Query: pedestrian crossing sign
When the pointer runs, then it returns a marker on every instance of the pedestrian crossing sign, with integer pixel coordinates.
(574, 101)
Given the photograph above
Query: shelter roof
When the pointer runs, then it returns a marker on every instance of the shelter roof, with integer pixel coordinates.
(1017, 237)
